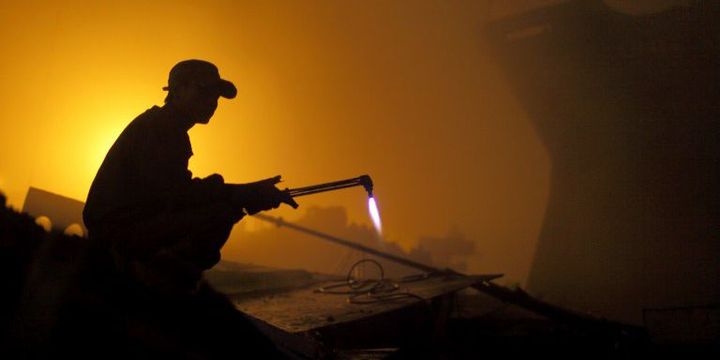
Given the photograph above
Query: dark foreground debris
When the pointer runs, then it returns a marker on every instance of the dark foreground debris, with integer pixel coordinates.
(61, 300)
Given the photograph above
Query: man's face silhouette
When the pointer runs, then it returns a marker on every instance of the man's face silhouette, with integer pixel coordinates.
(197, 101)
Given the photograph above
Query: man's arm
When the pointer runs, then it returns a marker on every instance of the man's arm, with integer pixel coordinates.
(247, 198)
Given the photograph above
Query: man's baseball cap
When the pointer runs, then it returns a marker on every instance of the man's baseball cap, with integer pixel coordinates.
(201, 73)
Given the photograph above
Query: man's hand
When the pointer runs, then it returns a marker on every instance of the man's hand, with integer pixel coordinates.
(261, 195)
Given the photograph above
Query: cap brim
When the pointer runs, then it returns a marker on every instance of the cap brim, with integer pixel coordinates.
(226, 89)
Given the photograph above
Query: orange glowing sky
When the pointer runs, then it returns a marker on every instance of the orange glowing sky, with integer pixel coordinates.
(404, 91)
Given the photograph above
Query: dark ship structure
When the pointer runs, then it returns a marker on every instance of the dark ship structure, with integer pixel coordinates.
(627, 106)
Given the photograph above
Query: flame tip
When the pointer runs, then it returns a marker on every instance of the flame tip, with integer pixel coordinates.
(375, 214)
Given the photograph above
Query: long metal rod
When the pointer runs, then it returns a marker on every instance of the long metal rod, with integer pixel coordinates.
(407, 262)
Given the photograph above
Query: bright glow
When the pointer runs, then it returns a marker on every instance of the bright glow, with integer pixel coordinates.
(44, 223)
(375, 214)
(74, 230)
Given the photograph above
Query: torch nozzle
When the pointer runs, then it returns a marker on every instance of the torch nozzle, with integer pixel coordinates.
(367, 183)
(364, 181)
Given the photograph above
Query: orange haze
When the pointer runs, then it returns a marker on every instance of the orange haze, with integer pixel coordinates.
(404, 91)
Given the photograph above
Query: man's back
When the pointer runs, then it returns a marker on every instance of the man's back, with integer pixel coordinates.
(144, 170)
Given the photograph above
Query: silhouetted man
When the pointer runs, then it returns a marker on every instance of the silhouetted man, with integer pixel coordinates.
(164, 228)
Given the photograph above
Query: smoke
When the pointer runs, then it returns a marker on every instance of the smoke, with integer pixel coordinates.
(284, 248)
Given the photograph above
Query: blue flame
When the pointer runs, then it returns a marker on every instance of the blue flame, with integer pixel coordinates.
(375, 214)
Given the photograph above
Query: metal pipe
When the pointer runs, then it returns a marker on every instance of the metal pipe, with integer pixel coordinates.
(397, 259)
(280, 222)
(364, 181)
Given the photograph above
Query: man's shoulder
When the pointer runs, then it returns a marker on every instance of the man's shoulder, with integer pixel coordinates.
(153, 119)
(150, 116)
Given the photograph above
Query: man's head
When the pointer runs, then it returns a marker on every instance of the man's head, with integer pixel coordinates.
(194, 87)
